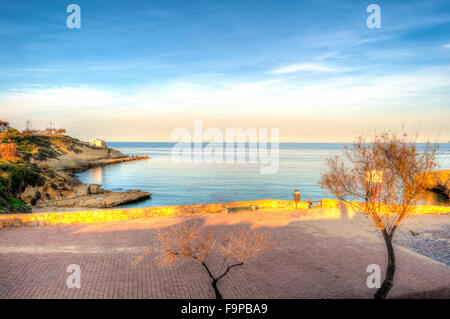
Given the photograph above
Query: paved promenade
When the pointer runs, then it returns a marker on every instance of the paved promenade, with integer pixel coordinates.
(320, 255)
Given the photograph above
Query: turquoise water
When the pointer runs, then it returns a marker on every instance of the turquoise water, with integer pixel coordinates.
(300, 165)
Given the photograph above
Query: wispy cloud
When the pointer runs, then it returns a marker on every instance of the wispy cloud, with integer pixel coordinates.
(301, 67)
(324, 106)
(446, 46)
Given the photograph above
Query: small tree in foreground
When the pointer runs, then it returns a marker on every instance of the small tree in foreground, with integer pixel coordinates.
(390, 171)
(190, 240)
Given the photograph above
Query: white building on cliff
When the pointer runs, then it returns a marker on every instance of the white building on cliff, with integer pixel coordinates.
(97, 142)
(3, 126)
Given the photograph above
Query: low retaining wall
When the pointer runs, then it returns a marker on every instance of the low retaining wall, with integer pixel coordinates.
(418, 209)
(94, 216)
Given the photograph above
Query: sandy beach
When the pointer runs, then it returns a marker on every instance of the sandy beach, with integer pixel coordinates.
(320, 253)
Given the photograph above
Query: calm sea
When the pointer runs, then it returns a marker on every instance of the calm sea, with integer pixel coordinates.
(300, 166)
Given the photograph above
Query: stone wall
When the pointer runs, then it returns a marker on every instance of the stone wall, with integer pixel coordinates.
(93, 216)
(418, 209)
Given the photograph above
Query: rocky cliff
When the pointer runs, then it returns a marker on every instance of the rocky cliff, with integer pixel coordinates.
(38, 171)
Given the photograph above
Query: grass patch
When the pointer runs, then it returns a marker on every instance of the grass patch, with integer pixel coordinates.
(40, 147)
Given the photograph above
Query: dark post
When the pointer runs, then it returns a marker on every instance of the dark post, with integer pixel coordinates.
(296, 197)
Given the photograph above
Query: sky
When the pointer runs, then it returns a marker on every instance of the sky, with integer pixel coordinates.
(137, 70)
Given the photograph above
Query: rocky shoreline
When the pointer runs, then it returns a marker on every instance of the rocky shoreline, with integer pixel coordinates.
(63, 189)
(107, 199)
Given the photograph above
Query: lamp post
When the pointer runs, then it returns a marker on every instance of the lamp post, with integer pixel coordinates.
(296, 197)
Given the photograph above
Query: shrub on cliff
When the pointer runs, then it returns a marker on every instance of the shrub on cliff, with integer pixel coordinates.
(10, 204)
(14, 178)
(8, 152)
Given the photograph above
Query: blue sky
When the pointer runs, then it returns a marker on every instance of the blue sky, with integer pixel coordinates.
(311, 68)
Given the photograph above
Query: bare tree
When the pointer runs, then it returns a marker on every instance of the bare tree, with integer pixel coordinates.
(388, 175)
(191, 240)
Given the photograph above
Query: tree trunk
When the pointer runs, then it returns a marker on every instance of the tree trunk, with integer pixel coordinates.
(388, 282)
(216, 280)
(214, 284)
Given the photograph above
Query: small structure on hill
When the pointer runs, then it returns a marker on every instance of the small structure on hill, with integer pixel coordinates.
(4, 126)
(97, 142)
(48, 132)
(51, 130)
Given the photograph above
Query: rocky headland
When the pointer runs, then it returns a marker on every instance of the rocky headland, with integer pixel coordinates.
(40, 173)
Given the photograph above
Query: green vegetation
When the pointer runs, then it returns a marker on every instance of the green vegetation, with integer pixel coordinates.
(40, 147)
(14, 178)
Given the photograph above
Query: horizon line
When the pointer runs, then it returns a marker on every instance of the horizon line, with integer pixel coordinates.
(284, 142)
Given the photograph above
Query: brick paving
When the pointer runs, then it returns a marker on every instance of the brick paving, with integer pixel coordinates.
(310, 258)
